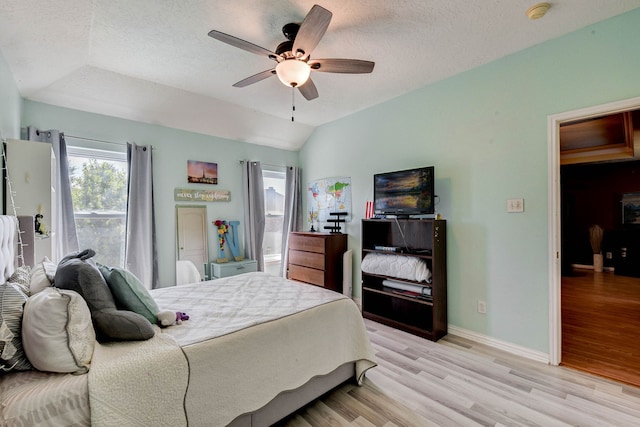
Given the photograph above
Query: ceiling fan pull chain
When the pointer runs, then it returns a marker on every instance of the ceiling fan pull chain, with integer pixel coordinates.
(293, 102)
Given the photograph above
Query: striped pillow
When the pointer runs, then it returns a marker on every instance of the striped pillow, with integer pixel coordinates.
(12, 356)
(21, 277)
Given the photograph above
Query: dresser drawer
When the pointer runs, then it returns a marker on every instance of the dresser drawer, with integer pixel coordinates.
(307, 243)
(307, 259)
(305, 274)
(226, 269)
(316, 258)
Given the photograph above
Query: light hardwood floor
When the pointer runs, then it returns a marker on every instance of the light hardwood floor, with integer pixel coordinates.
(456, 382)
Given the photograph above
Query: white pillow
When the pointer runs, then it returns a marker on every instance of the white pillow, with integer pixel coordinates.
(50, 268)
(57, 333)
(39, 279)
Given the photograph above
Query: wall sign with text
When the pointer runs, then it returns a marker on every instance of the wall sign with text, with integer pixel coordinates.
(193, 195)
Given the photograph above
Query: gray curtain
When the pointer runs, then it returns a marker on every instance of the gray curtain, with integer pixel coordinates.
(141, 252)
(253, 197)
(292, 220)
(66, 238)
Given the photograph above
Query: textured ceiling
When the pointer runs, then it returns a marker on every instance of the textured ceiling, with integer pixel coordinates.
(152, 61)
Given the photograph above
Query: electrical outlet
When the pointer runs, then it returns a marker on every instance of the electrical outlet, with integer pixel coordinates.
(515, 205)
(482, 307)
(609, 255)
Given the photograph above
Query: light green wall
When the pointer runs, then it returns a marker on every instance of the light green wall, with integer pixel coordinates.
(484, 130)
(486, 133)
(10, 106)
(10, 103)
(172, 149)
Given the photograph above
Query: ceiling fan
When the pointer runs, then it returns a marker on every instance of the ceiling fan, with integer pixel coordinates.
(294, 63)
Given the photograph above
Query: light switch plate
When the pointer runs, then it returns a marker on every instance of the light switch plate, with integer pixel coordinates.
(515, 205)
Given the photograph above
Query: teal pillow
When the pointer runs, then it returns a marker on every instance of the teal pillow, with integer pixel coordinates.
(129, 293)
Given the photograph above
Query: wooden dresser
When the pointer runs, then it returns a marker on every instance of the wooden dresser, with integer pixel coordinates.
(316, 258)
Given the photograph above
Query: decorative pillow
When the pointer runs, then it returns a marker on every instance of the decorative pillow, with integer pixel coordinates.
(39, 280)
(77, 272)
(130, 293)
(49, 268)
(22, 278)
(57, 333)
(12, 356)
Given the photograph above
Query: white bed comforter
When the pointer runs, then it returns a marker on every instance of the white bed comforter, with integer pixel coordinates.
(138, 383)
(249, 338)
(253, 336)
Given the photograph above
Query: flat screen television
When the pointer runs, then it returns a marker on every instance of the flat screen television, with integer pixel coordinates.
(404, 193)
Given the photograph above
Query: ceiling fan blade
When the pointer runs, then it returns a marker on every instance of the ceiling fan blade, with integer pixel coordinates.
(256, 78)
(309, 90)
(242, 44)
(311, 30)
(349, 66)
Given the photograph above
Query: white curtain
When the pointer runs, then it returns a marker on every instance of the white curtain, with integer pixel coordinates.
(254, 219)
(292, 220)
(141, 252)
(66, 238)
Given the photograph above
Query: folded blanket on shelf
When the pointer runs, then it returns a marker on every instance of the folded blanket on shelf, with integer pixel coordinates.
(399, 266)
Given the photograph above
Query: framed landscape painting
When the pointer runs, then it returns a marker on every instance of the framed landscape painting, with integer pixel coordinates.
(631, 209)
(202, 172)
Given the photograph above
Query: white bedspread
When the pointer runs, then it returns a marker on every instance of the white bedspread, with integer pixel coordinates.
(299, 332)
(219, 307)
(34, 398)
(249, 338)
(138, 383)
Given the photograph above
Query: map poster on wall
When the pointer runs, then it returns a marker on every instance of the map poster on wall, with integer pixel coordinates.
(329, 195)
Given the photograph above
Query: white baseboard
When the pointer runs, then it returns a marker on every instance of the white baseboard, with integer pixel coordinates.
(518, 350)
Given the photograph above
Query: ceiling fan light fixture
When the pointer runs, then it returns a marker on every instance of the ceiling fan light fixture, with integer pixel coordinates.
(293, 72)
(538, 11)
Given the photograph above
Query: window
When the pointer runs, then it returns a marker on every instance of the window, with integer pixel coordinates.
(274, 191)
(99, 192)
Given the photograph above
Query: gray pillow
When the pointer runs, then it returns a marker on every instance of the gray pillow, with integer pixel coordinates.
(78, 273)
(12, 356)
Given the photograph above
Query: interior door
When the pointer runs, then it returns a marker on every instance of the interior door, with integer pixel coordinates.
(192, 235)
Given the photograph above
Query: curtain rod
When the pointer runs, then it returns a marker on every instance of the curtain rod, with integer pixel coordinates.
(94, 140)
(100, 140)
(266, 164)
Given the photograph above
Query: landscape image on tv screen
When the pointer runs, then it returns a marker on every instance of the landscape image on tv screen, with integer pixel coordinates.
(404, 191)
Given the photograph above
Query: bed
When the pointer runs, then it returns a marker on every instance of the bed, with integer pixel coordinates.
(255, 349)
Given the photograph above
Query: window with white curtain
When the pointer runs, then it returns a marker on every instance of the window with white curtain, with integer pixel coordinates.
(99, 192)
(274, 192)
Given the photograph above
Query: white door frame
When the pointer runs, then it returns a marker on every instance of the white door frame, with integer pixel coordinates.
(553, 127)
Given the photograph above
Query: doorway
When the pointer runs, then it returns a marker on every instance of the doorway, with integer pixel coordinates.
(555, 260)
